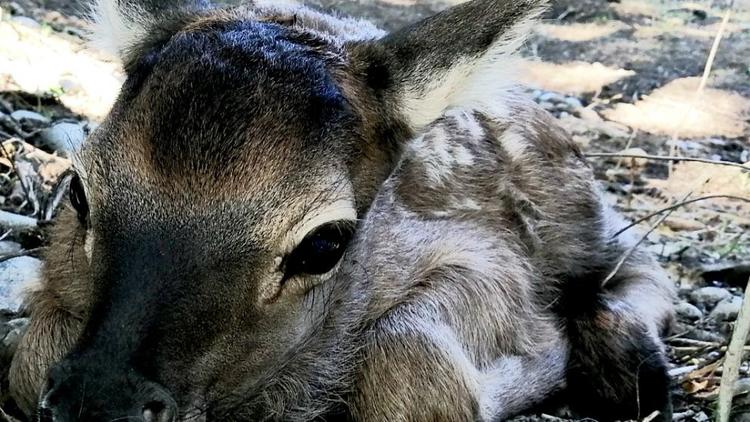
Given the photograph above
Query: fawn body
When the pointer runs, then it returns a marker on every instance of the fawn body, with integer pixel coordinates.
(291, 216)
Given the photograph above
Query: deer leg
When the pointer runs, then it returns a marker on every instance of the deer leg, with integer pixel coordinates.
(617, 367)
(417, 370)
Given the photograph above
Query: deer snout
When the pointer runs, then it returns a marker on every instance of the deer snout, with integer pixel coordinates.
(75, 393)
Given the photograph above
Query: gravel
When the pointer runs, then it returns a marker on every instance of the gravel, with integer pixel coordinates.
(64, 136)
(709, 296)
(32, 116)
(727, 309)
(688, 311)
(17, 274)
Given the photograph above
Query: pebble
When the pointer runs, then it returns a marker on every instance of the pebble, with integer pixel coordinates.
(16, 9)
(742, 386)
(574, 102)
(551, 97)
(16, 275)
(9, 220)
(15, 330)
(727, 309)
(8, 247)
(26, 21)
(709, 296)
(31, 116)
(700, 417)
(547, 106)
(70, 86)
(589, 114)
(688, 311)
(63, 136)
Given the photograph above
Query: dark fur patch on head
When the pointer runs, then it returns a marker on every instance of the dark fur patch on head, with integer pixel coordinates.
(231, 88)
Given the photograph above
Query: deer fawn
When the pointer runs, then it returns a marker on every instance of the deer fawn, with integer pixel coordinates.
(293, 216)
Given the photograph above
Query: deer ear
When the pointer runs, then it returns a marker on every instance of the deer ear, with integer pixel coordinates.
(119, 25)
(460, 57)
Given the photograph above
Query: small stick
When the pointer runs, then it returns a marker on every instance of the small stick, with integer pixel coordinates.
(674, 206)
(26, 252)
(652, 416)
(733, 358)
(667, 158)
(704, 79)
(692, 342)
(630, 250)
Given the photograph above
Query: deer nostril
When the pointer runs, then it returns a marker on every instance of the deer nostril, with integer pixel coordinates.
(157, 411)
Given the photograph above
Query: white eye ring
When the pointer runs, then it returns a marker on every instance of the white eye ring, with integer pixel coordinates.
(339, 210)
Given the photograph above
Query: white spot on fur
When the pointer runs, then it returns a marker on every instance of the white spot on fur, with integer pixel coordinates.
(466, 121)
(469, 204)
(514, 144)
(486, 83)
(463, 156)
(88, 244)
(440, 154)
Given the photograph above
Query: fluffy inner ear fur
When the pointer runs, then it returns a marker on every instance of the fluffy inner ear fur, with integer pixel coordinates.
(118, 25)
(460, 57)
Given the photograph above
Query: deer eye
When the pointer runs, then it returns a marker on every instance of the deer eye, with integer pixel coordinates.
(320, 250)
(78, 200)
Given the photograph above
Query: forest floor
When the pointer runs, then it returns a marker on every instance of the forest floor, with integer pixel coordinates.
(623, 77)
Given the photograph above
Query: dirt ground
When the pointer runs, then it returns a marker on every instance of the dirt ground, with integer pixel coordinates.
(623, 76)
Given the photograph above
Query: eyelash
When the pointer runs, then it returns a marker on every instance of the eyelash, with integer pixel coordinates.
(320, 251)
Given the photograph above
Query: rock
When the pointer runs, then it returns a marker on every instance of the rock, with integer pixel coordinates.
(575, 125)
(8, 247)
(700, 417)
(683, 224)
(30, 116)
(574, 102)
(16, 9)
(629, 161)
(26, 21)
(547, 106)
(15, 330)
(70, 86)
(16, 275)
(63, 136)
(742, 386)
(709, 296)
(551, 97)
(726, 310)
(9, 220)
(589, 114)
(688, 311)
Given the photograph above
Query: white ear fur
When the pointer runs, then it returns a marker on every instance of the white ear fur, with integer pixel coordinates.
(486, 82)
(118, 25)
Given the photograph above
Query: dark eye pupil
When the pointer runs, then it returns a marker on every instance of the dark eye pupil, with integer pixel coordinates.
(78, 200)
(320, 251)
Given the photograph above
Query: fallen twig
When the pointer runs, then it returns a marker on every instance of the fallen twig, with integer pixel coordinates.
(633, 247)
(704, 79)
(19, 254)
(733, 358)
(667, 158)
(652, 416)
(674, 206)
